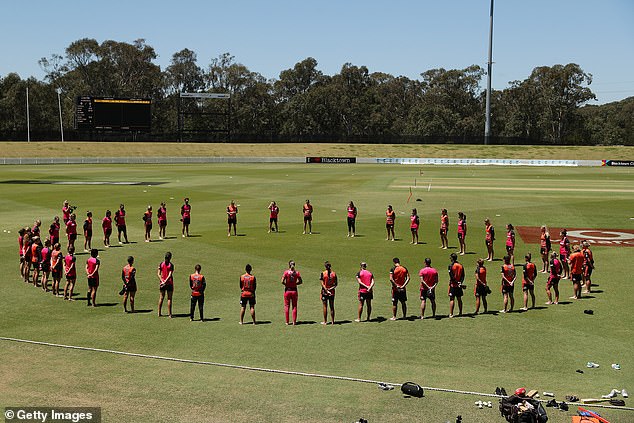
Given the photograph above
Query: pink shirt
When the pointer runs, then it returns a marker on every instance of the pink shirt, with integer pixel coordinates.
(510, 238)
(414, 222)
(366, 278)
(91, 264)
(71, 227)
(430, 277)
(352, 212)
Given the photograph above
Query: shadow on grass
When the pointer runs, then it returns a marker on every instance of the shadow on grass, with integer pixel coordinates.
(306, 322)
(106, 304)
(143, 311)
(213, 319)
(342, 322)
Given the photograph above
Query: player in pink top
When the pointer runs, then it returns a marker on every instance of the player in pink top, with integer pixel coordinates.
(352, 219)
(71, 230)
(106, 225)
(88, 232)
(428, 281)
(53, 231)
(510, 242)
(92, 272)
(462, 232)
(274, 211)
(291, 279)
(232, 218)
(147, 223)
(161, 216)
(186, 211)
(365, 279)
(70, 271)
(67, 210)
(413, 226)
(166, 283)
(444, 228)
(564, 253)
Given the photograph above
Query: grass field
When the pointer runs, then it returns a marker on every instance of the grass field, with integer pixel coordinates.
(539, 349)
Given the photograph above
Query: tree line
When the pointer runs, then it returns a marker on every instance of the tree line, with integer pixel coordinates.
(548, 107)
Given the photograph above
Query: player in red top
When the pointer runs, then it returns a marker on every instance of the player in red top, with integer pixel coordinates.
(588, 266)
(444, 228)
(45, 264)
(232, 218)
(67, 210)
(456, 284)
(70, 271)
(119, 219)
(428, 282)
(92, 272)
(481, 289)
(197, 284)
(399, 278)
(274, 211)
(57, 267)
(106, 225)
(186, 211)
(53, 231)
(553, 279)
(489, 237)
(544, 248)
(128, 276)
(88, 232)
(328, 280)
(508, 283)
(576, 260)
(166, 283)
(528, 281)
(161, 216)
(291, 279)
(564, 253)
(365, 279)
(413, 225)
(462, 232)
(147, 223)
(352, 219)
(510, 242)
(307, 210)
(71, 230)
(248, 285)
(390, 217)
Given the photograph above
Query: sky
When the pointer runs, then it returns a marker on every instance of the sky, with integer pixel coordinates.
(399, 37)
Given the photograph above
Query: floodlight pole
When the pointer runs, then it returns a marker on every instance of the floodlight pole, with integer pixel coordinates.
(487, 125)
(28, 118)
(59, 104)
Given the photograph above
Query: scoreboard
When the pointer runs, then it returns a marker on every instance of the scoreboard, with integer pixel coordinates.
(109, 113)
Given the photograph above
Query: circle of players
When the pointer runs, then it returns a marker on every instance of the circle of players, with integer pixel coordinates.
(39, 260)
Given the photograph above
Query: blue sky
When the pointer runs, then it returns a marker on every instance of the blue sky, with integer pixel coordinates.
(397, 37)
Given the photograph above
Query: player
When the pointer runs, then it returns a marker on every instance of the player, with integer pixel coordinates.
(36, 258)
(70, 271)
(128, 276)
(456, 284)
(328, 280)
(481, 289)
(147, 224)
(390, 217)
(564, 253)
(186, 211)
(106, 225)
(508, 283)
(45, 264)
(274, 211)
(553, 279)
(291, 279)
(413, 225)
(92, 272)
(161, 216)
(462, 232)
(197, 284)
(71, 230)
(444, 228)
(510, 242)
(528, 281)
(166, 283)
(35, 230)
(53, 231)
(248, 286)
(365, 279)
(88, 232)
(25, 259)
(119, 219)
(57, 268)
(544, 248)
(307, 210)
(489, 237)
(588, 266)
(67, 210)
(399, 278)
(232, 218)
(576, 260)
(352, 219)
(428, 282)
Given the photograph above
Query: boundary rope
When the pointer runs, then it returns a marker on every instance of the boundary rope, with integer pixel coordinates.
(265, 370)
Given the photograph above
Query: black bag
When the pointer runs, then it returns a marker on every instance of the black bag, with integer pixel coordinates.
(412, 389)
(511, 409)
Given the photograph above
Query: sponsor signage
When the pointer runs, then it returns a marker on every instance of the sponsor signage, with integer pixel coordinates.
(617, 162)
(597, 237)
(330, 160)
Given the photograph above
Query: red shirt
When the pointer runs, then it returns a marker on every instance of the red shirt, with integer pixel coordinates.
(481, 275)
(53, 231)
(462, 227)
(91, 266)
(127, 273)
(232, 211)
(399, 275)
(106, 223)
(166, 268)
(186, 210)
(290, 279)
(489, 233)
(21, 244)
(274, 211)
(414, 221)
(576, 263)
(352, 212)
(564, 247)
(55, 260)
(148, 218)
(390, 215)
(119, 217)
(69, 266)
(429, 277)
(444, 222)
(161, 214)
(308, 209)
(88, 224)
(247, 285)
(71, 227)
(329, 280)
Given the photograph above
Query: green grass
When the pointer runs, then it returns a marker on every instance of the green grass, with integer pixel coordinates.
(540, 349)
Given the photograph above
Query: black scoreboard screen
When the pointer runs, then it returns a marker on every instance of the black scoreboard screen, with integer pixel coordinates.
(107, 113)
